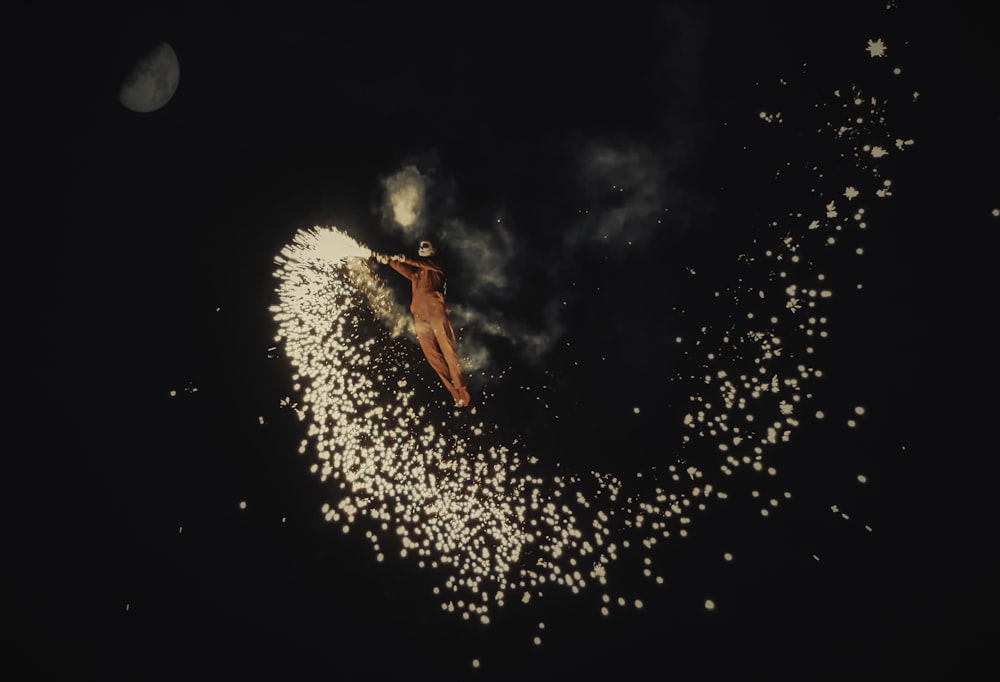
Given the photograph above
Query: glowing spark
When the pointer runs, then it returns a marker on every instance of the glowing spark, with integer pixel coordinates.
(876, 48)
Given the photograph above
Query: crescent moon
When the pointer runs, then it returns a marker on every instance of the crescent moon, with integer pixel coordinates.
(152, 81)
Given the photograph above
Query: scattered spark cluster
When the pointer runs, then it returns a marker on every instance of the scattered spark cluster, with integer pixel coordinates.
(444, 490)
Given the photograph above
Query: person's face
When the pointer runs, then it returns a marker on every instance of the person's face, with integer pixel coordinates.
(426, 249)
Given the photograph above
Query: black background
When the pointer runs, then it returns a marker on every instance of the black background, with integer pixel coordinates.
(130, 230)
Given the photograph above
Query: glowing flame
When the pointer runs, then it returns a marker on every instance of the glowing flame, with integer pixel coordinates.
(325, 244)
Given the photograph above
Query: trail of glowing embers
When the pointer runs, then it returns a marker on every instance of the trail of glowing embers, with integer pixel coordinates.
(439, 491)
(442, 493)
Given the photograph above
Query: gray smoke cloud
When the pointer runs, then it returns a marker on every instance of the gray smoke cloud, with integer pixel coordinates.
(490, 259)
(489, 253)
(627, 196)
(632, 183)
(482, 328)
(631, 194)
(404, 200)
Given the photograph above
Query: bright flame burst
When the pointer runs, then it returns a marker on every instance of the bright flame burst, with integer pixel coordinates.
(443, 493)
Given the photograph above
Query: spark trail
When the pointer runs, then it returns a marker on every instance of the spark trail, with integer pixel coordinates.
(451, 494)
(447, 495)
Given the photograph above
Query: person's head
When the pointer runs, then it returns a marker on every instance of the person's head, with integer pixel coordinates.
(426, 249)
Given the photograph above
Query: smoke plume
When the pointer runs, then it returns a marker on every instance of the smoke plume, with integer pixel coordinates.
(404, 200)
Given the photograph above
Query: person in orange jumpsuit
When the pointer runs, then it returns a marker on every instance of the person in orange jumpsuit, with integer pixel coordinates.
(432, 317)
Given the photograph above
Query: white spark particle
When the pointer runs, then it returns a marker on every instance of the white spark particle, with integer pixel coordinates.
(876, 48)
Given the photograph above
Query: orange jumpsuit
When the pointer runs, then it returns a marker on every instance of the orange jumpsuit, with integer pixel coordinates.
(431, 318)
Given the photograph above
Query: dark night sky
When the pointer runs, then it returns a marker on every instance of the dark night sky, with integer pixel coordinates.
(132, 229)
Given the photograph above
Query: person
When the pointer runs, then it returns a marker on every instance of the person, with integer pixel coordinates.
(431, 316)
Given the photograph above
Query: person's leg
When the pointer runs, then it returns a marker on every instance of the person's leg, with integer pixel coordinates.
(444, 334)
(429, 345)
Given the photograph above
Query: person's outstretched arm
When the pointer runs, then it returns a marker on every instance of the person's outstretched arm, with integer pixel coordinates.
(398, 264)
(423, 263)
